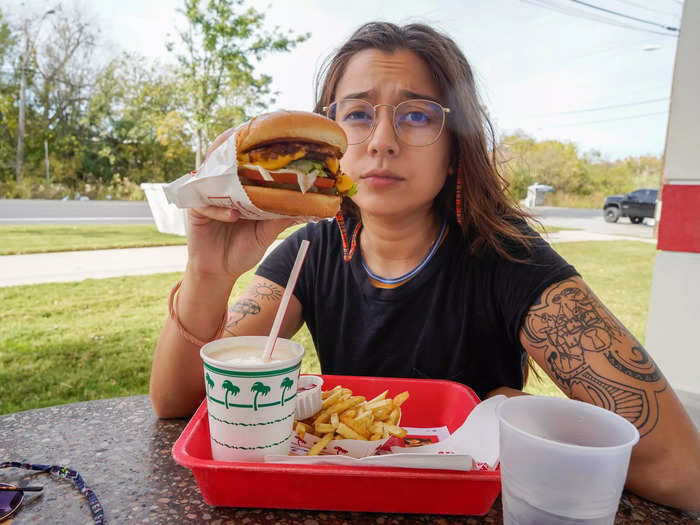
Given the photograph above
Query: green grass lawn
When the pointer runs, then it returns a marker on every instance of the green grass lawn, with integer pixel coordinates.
(67, 342)
(16, 240)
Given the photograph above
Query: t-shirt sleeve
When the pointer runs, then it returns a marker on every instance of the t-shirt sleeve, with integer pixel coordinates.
(519, 284)
(278, 264)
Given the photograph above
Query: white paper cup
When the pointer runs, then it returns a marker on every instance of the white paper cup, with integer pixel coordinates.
(251, 405)
(562, 461)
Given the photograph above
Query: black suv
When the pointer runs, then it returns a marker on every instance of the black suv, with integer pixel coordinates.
(636, 205)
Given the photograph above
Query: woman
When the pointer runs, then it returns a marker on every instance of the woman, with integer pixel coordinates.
(429, 272)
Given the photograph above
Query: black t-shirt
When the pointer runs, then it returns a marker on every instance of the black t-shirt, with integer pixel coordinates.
(459, 318)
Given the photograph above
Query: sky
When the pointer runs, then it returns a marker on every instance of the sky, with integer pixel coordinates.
(550, 74)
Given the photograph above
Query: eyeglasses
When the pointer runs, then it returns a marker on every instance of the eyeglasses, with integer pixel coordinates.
(11, 498)
(417, 122)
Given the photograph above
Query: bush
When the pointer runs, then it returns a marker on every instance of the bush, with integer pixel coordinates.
(120, 188)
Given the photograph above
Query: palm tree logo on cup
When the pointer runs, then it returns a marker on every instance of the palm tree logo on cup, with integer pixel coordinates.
(210, 382)
(259, 388)
(286, 384)
(230, 389)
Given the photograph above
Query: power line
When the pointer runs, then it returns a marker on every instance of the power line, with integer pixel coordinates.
(650, 101)
(641, 6)
(591, 16)
(574, 124)
(668, 28)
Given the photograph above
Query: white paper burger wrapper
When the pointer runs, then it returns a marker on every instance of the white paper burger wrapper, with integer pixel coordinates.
(472, 444)
(217, 184)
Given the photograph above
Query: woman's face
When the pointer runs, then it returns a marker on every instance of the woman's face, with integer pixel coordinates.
(393, 178)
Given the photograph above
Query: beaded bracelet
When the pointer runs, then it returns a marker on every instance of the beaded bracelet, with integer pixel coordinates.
(172, 302)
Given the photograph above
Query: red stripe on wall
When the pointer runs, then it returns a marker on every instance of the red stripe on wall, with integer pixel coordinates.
(679, 225)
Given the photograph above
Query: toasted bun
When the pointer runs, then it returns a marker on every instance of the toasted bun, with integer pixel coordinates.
(290, 202)
(290, 125)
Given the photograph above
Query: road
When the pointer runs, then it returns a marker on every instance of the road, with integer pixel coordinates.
(17, 211)
(591, 220)
(138, 212)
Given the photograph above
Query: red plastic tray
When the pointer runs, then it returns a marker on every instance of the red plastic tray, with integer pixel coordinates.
(432, 403)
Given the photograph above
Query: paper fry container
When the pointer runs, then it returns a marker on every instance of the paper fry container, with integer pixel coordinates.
(355, 448)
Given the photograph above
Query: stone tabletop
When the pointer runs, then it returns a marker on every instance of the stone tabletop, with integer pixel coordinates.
(123, 452)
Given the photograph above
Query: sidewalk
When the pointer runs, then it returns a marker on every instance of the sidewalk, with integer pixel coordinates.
(98, 264)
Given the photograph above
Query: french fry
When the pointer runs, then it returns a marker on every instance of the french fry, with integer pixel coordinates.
(328, 393)
(347, 416)
(301, 428)
(324, 416)
(348, 433)
(324, 428)
(357, 428)
(378, 405)
(395, 430)
(332, 399)
(399, 399)
(318, 447)
(379, 397)
(383, 413)
(344, 405)
(394, 416)
(365, 418)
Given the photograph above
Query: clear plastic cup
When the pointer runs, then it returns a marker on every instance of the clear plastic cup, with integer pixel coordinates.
(251, 403)
(562, 461)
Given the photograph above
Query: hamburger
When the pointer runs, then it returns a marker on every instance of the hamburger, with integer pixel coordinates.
(288, 162)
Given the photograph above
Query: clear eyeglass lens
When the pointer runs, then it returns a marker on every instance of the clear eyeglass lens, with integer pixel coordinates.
(10, 500)
(417, 122)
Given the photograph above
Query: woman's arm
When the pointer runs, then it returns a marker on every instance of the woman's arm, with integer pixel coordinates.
(592, 357)
(177, 377)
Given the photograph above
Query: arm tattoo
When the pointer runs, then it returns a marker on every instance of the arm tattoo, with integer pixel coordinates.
(267, 292)
(580, 340)
(238, 312)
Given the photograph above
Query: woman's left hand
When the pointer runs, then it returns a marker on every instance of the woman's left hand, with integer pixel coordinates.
(506, 391)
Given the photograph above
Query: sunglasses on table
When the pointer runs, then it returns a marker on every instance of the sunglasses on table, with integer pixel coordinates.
(11, 498)
(417, 122)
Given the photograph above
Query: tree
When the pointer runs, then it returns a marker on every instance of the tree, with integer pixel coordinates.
(230, 389)
(259, 389)
(8, 97)
(286, 384)
(137, 123)
(217, 44)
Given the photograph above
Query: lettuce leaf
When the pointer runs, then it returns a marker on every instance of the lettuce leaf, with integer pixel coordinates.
(307, 166)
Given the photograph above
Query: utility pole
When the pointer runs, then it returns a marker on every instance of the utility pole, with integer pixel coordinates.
(46, 157)
(22, 102)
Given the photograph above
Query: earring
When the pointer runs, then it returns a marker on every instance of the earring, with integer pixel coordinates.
(459, 197)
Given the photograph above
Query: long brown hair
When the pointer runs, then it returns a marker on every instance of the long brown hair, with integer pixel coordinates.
(489, 216)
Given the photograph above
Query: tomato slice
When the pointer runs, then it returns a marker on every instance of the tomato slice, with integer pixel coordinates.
(284, 178)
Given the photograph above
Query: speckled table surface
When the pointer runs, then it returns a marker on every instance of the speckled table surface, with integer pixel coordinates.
(123, 452)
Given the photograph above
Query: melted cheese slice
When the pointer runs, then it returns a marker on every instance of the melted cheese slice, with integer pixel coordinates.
(273, 163)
